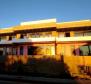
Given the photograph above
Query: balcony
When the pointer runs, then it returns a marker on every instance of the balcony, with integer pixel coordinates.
(64, 39)
(46, 39)
(5, 42)
(42, 39)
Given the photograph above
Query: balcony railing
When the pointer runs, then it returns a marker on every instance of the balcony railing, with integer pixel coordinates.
(64, 39)
(46, 39)
(34, 39)
(5, 42)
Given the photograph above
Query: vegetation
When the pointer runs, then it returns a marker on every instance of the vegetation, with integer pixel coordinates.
(47, 67)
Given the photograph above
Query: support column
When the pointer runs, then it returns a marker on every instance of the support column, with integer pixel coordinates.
(77, 50)
(55, 34)
(7, 37)
(18, 51)
(4, 51)
(71, 34)
(17, 36)
(25, 50)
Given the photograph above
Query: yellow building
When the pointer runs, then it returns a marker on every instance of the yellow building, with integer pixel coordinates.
(72, 40)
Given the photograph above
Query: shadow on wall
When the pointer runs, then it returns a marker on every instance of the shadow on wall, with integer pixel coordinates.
(83, 50)
(46, 66)
(84, 53)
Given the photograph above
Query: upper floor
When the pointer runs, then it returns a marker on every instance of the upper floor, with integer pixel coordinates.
(48, 30)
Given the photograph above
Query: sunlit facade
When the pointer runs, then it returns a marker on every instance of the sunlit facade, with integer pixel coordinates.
(49, 38)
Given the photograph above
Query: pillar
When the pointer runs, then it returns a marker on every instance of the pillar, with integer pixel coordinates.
(25, 50)
(18, 36)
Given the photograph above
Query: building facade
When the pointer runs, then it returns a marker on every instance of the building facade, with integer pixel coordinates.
(50, 39)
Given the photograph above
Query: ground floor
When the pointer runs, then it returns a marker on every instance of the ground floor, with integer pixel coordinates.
(66, 49)
(28, 49)
(76, 55)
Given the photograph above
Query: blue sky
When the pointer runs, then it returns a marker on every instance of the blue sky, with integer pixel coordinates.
(12, 12)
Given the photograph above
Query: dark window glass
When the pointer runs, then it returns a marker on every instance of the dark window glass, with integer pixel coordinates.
(1, 51)
(10, 38)
(32, 50)
(21, 50)
(67, 34)
(22, 36)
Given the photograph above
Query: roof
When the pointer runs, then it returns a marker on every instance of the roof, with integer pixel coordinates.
(6, 30)
(43, 24)
(82, 23)
(39, 22)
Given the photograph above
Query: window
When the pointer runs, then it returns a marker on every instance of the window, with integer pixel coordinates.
(87, 33)
(22, 36)
(1, 51)
(10, 38)
(32, 50)
(76, 34)
(67, 34)
(3, 38)
(21, 50)
(34, 35)
(48, 34)
(39, 34)
(41, 50)
(83, 33)
(61, 34)
(9, 51)
(13, 37)
(14, 51)
(85, 50)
